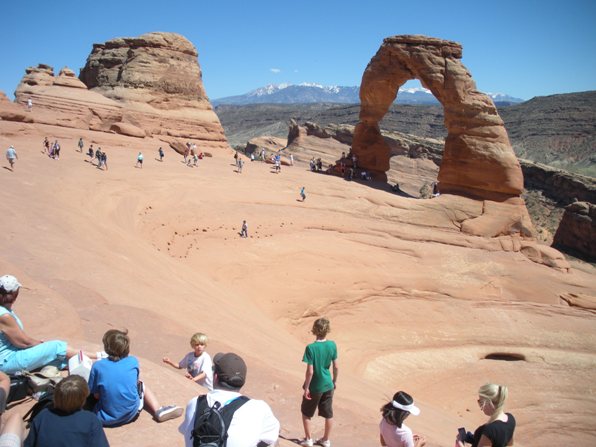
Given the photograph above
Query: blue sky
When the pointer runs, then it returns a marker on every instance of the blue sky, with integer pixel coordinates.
(525, 48)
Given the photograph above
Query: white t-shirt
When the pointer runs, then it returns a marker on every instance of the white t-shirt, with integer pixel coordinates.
(197, 365)
(395, 436)
(252, 423)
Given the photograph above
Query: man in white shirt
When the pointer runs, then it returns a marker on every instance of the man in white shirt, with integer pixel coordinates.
(253, 424)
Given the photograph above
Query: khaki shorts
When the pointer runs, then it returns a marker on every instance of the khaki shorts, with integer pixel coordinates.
(322, 401)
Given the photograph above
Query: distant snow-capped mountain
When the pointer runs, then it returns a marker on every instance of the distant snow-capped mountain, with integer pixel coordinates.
(307, 93)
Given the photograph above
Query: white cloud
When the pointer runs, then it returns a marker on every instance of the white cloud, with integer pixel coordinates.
(275, 70)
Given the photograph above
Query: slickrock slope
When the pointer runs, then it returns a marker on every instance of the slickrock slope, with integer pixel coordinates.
(149, 85)
(414, 303)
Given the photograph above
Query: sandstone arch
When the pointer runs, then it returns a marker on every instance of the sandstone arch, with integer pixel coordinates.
(478, 159)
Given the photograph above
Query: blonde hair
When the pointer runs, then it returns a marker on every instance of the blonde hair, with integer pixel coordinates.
(321, 327)
(198, 339)
(496, 395)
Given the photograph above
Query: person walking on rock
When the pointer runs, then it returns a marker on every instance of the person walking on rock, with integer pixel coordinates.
(139, 160)
(81, 144)
(11, 156)
(244, 230)
(302, 194)
(161, 154)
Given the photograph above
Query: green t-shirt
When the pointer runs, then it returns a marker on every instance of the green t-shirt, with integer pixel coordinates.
(320, 354)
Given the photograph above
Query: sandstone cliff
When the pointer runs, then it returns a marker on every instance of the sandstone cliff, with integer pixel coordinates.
(143, 86)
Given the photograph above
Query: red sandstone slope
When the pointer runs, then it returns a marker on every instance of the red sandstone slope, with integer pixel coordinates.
(414, 303)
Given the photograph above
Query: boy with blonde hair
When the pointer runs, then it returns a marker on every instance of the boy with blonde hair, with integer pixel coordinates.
(198, 364)
(319, 384)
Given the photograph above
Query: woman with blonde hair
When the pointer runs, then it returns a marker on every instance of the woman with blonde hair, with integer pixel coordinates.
(498, 430)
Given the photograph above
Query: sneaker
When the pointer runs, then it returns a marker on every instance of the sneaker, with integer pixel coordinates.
(307, 443)
(168, 412)
(324, 443)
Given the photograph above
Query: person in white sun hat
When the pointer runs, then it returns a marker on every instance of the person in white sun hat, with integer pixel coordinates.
(18, 350)
(394, 433)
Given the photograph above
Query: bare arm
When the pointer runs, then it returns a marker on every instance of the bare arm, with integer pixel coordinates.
(198, 377)
(484, 442)
(335, 372)
(169, 362)
(15, 335)
(307, 379)
(382, 440)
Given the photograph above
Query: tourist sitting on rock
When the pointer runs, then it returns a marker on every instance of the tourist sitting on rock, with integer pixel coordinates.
(319, 165)
(19, 351)
(498, 430)
(197, 363)
(312, 164)
(66, 423)
(394, 433)
(115, 384)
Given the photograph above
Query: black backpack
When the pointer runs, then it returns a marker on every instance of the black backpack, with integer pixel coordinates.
(46, 400)
(212, 423)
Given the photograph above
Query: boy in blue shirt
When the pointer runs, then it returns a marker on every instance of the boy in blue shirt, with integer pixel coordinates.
(115, 383)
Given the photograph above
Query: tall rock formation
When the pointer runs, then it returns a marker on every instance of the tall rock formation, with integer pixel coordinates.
(141, 86)
(478, 159)
(577, 230)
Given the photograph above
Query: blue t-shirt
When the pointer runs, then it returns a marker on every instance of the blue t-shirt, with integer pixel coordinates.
(116, 384)
(54, 428)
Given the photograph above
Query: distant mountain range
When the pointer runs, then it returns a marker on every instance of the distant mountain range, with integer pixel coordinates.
(308, 93)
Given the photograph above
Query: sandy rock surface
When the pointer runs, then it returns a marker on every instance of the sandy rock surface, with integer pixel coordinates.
(414, 303)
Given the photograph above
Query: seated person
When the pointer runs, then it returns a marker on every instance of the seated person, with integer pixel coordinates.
(18, 350)
(66, 424)
(197, 363)
(114, 382)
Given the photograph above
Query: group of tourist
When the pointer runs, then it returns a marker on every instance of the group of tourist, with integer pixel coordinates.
(52, 150)
(115, 394)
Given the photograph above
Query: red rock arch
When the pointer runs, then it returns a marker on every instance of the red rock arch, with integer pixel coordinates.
(478, 159)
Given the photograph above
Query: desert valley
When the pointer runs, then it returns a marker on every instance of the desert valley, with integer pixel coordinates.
(435, 296)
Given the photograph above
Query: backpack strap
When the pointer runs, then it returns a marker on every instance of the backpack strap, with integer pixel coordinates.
(201, 407)
(227, 412)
